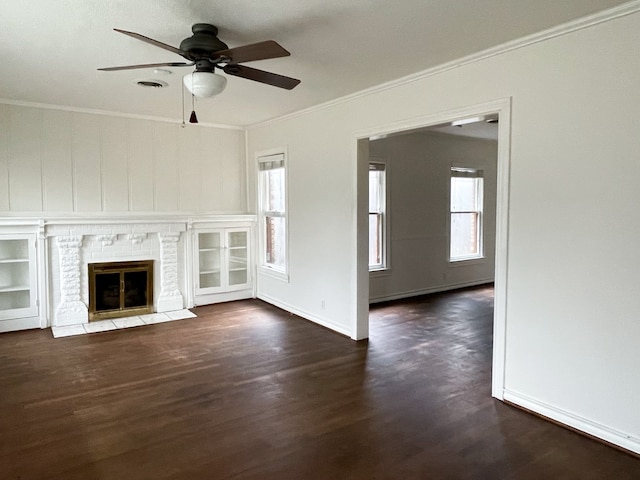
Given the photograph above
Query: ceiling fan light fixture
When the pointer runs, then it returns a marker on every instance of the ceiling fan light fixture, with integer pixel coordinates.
(204, 84)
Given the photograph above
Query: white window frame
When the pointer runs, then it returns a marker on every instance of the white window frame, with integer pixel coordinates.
(381, 164)
(467, 172)
(264, 267)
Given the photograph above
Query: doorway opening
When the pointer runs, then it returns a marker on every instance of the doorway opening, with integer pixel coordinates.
(451, 139)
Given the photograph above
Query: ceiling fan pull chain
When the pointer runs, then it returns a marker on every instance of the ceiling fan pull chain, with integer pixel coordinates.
(193, 118)
(182, 95)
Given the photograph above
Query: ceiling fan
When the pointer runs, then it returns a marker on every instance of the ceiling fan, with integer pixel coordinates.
(207, 52)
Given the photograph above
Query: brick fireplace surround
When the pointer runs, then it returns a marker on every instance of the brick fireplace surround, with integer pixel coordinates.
(73, 246)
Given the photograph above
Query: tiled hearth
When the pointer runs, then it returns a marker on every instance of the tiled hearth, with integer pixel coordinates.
(120, 323)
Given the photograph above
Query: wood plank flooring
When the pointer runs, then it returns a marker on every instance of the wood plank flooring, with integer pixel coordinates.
(246, 391)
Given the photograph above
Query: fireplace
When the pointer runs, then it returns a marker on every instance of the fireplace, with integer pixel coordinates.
(119, 289)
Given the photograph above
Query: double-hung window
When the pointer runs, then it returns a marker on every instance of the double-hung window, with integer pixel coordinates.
(466, 214)
(272, 212)
(377, 214)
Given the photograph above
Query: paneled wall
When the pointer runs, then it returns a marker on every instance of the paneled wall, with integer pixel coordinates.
(63, 162)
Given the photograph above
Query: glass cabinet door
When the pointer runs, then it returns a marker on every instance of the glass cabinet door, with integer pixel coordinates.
(15, 285)
(237, 247)
(222, 259)
(209, 259)
(18, 280)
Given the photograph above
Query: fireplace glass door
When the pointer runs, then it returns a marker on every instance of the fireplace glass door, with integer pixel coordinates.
(120, 289)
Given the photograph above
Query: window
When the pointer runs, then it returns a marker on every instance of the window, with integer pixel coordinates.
(377, 221)
(272, 211)
(466, 214)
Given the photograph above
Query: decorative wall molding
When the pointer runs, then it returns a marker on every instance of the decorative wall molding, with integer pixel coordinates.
(93, 111)
(70, 219)
(108, 233)
(107, 165)
(137, 238)
(107, 239)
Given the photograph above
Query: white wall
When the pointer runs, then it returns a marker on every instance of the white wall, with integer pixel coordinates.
(418, 178)
(573, 258)
(61, 162)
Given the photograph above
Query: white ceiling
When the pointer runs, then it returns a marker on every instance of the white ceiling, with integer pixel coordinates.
(50, 49)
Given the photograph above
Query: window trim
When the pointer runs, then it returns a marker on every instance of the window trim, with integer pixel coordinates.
(477, 173)
(385, 267)
(263, 267)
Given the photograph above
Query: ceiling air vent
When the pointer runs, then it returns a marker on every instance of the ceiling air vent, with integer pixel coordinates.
(151, 83)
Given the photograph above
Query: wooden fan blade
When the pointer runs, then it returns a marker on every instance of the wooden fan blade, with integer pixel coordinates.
(261, 76)
(147, 65)
(164, 46)
(255, 51)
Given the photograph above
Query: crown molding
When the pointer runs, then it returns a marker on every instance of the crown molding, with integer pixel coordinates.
(623, 10)
(47, 218)
(92, 111)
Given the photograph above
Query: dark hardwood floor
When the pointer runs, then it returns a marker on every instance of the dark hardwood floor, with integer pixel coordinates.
(246, 391)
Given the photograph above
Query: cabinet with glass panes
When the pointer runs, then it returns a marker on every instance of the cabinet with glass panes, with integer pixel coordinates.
(222, 260)
(17, 277)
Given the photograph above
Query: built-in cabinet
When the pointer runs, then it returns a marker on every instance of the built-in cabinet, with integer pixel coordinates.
(196, 261)
(18, 273)
(222, 264)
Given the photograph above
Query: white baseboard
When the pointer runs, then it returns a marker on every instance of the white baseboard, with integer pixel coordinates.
(426, 291)
(594, 429)
(200, 300)
(12, 325)
(306, 315)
